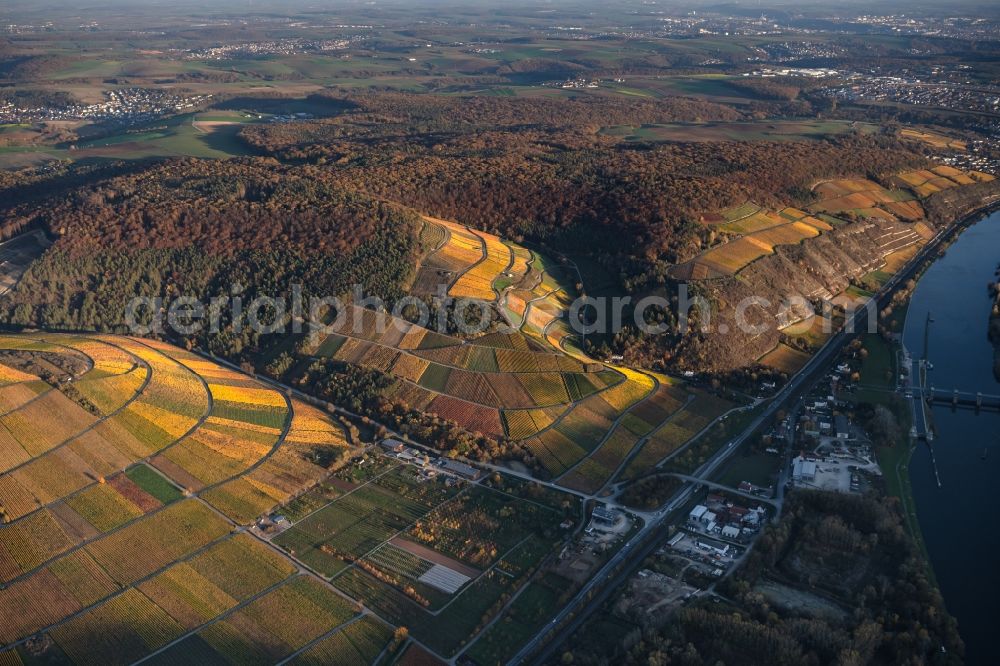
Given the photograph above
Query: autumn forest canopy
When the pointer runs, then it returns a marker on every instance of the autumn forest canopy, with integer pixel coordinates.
(534, 170)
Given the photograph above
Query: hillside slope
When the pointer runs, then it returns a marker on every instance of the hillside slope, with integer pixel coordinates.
(790, 284)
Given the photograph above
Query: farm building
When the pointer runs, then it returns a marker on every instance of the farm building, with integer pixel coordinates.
(460, 469)
(714, 546)
(731, 532)
(702, 518)
(604, 516)
(392, 445)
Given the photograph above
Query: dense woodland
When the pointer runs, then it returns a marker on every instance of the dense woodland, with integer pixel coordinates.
(851, 552)
(35, 98)
(403, 117)
(539, 169)
(218, 207)
(240, 228)
(336, 201)
(536, 169)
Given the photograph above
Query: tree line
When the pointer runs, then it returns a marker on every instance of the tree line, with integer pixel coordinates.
(850, 551)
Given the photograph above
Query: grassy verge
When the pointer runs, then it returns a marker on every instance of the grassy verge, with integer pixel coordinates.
(703, 448)
(878, 372)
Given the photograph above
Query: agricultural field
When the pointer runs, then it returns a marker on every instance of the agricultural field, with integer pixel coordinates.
(530, 385)
(268, 628)
(727, 259)
(132, 510)
(460, 251)
(529, 612)
(148, 561)
(522, 258)
(474, 418)
(926, 182)
(892, 263)
(478, 281)
(764, 130)
(418, 551)
(555, 451)
(585, 446)
(697, 414)
(933, 139)
(850, 194)
(520, 424)
(813, 331)
(120, 538)
(359, 643)
(134, 415)
(785, 359)
(900, 201)
(203, 135)
(358, 522)
(797, 215)
(749, 232)
(507, 555)
(742, 225)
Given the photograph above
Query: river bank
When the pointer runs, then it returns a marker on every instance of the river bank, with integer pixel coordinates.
(994, 325)
(881, 374)
(952, 521)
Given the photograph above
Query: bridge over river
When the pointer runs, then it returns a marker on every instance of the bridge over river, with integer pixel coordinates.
(957, 398)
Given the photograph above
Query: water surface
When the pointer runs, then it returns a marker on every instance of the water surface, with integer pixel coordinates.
(959, 520)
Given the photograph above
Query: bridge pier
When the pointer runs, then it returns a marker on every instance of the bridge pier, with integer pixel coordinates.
(956, 398)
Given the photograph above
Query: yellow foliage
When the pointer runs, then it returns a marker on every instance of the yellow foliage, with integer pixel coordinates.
(263, 397)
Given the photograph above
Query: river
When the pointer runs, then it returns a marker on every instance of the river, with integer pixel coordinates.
(957, 520)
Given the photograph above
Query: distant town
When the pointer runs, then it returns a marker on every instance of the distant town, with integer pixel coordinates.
(127, 106)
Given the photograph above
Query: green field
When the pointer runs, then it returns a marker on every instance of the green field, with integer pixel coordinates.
(177, 136)
(525, 616)
(701, 449)
(486, 530)
(764, 130)
(154, 484)
(359, 522)
(760, 469)
(173, 137)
